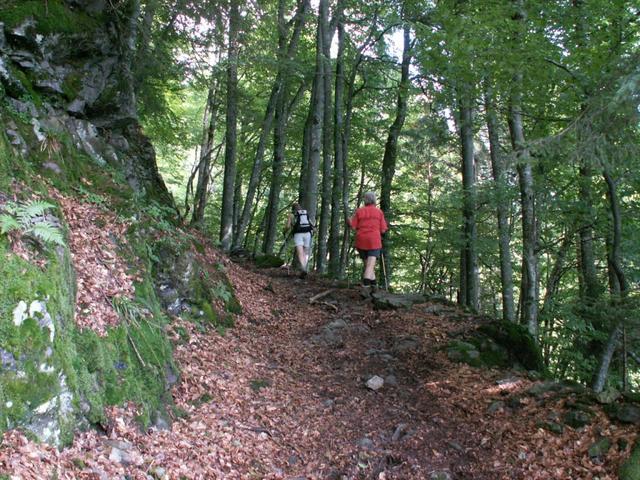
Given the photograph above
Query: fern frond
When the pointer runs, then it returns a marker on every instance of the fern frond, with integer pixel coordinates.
(8, 223)
(28, 211)
(47, 232)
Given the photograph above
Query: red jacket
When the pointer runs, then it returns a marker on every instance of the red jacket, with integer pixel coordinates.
(369, 224)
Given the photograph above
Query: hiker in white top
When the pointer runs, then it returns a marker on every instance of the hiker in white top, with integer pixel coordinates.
(299, 224)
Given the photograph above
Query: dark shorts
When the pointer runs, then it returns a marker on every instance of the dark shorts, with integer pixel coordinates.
(369, 253)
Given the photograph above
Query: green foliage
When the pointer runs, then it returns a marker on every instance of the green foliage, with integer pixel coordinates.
(30, 218)
(52, 16)
(630, 470)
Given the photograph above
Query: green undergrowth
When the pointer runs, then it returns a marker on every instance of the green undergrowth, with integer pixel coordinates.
(33, 376)
(630, 469)
(51, 16)
(133, 361)
(128, 364)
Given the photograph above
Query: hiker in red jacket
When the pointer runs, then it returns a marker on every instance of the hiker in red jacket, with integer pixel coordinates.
(369, 224)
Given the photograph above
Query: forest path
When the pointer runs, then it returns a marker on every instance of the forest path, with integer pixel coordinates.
(283, 395)
(303, 385)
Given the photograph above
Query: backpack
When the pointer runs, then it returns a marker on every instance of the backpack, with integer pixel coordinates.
(302, 223)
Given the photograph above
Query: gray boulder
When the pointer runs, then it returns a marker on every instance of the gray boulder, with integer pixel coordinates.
(383, 300)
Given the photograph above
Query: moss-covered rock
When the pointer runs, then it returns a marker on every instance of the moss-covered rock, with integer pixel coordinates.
(268, 261)
(630, 470)
(517, 341)
(53, 16)
(577, 418)
(465, 352)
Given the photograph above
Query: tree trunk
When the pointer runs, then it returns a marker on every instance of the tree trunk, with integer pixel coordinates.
(271, 214)
(237, 201)
(309, 194)
(528, 289)
(529, 283)
(327, 160)
(228, 184)
(552, 287)
(278, 85)
(346, 135)
(616, 264)
(498, 169)
(391, 146)
(338, 165)
(469, 257)
(206, 151)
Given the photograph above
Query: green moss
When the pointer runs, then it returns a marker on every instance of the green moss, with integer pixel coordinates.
(259, 383)
(209, 313)
(6, 164)
(268, 261)
(72, 84)
(52, 16)
(517, 341)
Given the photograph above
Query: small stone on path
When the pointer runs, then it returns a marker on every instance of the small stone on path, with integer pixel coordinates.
(375, 383)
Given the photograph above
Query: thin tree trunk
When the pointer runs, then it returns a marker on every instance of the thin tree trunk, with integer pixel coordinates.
(278, 85)
(529, 285)
(391, 146)
(271, 214)
(228, 184)
(311, 176)
(338, 166)
(256, 170)
(206, 150)
(552, 287)
(327, 159)
(498, 169)
(600, 376)
(469, 256)
(237, 201)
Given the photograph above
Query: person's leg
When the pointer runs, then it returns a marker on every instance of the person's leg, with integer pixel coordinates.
(298, 242)
(307, 250)
(301, 257)
(370, 268)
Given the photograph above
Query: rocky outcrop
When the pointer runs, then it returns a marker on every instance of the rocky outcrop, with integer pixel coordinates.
(65, 67)
(67, 111)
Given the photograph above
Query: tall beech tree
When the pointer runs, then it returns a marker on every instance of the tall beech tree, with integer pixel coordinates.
(231, 119)
(391, 146)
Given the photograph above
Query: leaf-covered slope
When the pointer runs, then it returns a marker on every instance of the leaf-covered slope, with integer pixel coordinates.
(283, 395)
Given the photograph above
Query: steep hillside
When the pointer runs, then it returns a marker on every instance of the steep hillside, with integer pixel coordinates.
(289, 393)
(92, 259)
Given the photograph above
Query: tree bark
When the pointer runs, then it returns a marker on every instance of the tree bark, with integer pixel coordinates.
(327, 159)
(338, 165)
(469, 257)
(391, 146)
(206, 151)
(498, 169)
(615, 257)
(529, 283)
(271, 214)
(309, 194)
(228, 184)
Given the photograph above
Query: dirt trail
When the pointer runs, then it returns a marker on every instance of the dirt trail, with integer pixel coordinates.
(283, 396)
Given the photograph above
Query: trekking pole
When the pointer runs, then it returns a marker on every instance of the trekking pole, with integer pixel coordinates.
(384, 272)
